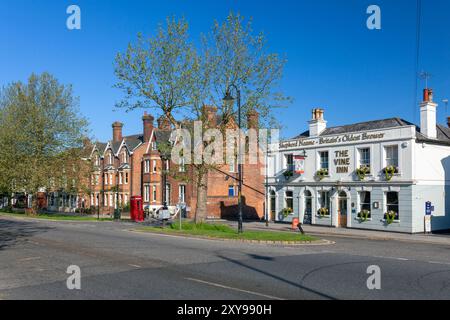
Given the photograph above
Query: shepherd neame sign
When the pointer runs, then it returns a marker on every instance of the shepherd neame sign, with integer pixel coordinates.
(331, 140)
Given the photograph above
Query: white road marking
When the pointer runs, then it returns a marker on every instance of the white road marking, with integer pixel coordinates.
(135, 266)
(29, 259)
(438, 262)
(235, 289)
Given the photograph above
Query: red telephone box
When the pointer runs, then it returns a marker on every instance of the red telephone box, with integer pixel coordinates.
(136, 209)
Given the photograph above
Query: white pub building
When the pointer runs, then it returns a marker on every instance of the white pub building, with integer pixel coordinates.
(380, 175)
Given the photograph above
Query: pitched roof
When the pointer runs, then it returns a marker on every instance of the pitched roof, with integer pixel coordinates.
(443, 133)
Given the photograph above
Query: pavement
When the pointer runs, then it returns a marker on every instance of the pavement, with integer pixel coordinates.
(118, 264)
(350, 233)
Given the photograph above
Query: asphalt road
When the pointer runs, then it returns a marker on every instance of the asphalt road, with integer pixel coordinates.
(118, 264)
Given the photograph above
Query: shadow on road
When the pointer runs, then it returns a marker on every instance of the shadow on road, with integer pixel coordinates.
(13, 232)
(277, 277)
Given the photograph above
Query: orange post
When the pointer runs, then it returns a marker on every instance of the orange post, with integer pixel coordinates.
(295, 222)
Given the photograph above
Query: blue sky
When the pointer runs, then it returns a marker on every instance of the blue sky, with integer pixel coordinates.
(334, 61)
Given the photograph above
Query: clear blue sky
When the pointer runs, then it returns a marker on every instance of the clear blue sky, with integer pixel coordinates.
(335, 62)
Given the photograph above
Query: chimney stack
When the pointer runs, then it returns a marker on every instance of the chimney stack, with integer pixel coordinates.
(164, 123)
(253, 119)
(117, 131)
(148, 126)
(428, 115)
(317, 125)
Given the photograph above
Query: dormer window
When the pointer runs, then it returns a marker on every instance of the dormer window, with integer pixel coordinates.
(110, 160)
(124, 157)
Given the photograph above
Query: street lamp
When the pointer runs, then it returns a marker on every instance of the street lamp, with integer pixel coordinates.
(228, 100)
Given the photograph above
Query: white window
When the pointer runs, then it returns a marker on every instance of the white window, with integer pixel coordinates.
(124, 157)
(289, 200)
(168, 194)
(147, 166)
(110, 178)
(111, 200)
(126, 177)
(120, 177)
(105, 200)
(364, 202)
(182, 167)
(324, 199)
(323, 155)
(182, 193)
(97, 160)
(110, 161)
(126, 199)
(391, 153)
(146, 193)
(154, 166)
(392, 204)
(364, 157)
(233, 165)
(153, 146)
(154, 193)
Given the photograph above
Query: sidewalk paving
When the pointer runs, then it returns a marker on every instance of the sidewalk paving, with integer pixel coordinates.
(350, 233)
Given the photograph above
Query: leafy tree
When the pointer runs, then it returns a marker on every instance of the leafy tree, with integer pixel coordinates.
(41, 136)
(168, 73)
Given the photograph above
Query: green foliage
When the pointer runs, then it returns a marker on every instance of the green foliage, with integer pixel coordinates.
(286, 212)
(323, 212)
(364, 215)
(362, 172)
(41, 136)
(321, 173)
(390, 217)
(389, 172)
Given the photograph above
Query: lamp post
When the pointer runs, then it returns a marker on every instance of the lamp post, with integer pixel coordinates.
(229, 99)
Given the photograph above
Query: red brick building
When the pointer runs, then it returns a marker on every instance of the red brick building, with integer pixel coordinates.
(129, 166)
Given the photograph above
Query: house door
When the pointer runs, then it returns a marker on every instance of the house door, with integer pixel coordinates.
(342, 210)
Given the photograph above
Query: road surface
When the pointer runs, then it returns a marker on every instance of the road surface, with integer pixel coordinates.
(118, 264)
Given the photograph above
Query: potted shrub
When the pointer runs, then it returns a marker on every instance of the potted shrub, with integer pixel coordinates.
(389, 172)
(322, 173)
(362, 171)
(322, 212)
(364, 215)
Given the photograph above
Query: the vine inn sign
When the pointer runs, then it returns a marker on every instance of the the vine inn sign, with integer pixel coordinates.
(373, 175)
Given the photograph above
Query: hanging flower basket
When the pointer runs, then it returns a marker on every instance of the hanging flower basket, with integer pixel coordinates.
(288, 174)
(390, 216)
(362, 172)
(389, 172)
(322, 173)
(322, 212)
(364, 215)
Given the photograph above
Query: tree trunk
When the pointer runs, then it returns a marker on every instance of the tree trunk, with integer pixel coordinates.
(202, 197)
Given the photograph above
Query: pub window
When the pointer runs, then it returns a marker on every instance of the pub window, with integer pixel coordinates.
(392, 204)
(324, 160)
(364, 157)
(289, 200)
(364, 202)
(391, 155)
(290, 162)
(324, 200)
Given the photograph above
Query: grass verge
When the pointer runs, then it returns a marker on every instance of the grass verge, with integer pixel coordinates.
(61, 217)
(225, 232)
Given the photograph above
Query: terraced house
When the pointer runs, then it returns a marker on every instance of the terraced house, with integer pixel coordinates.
(385, 174)
(132, 165)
